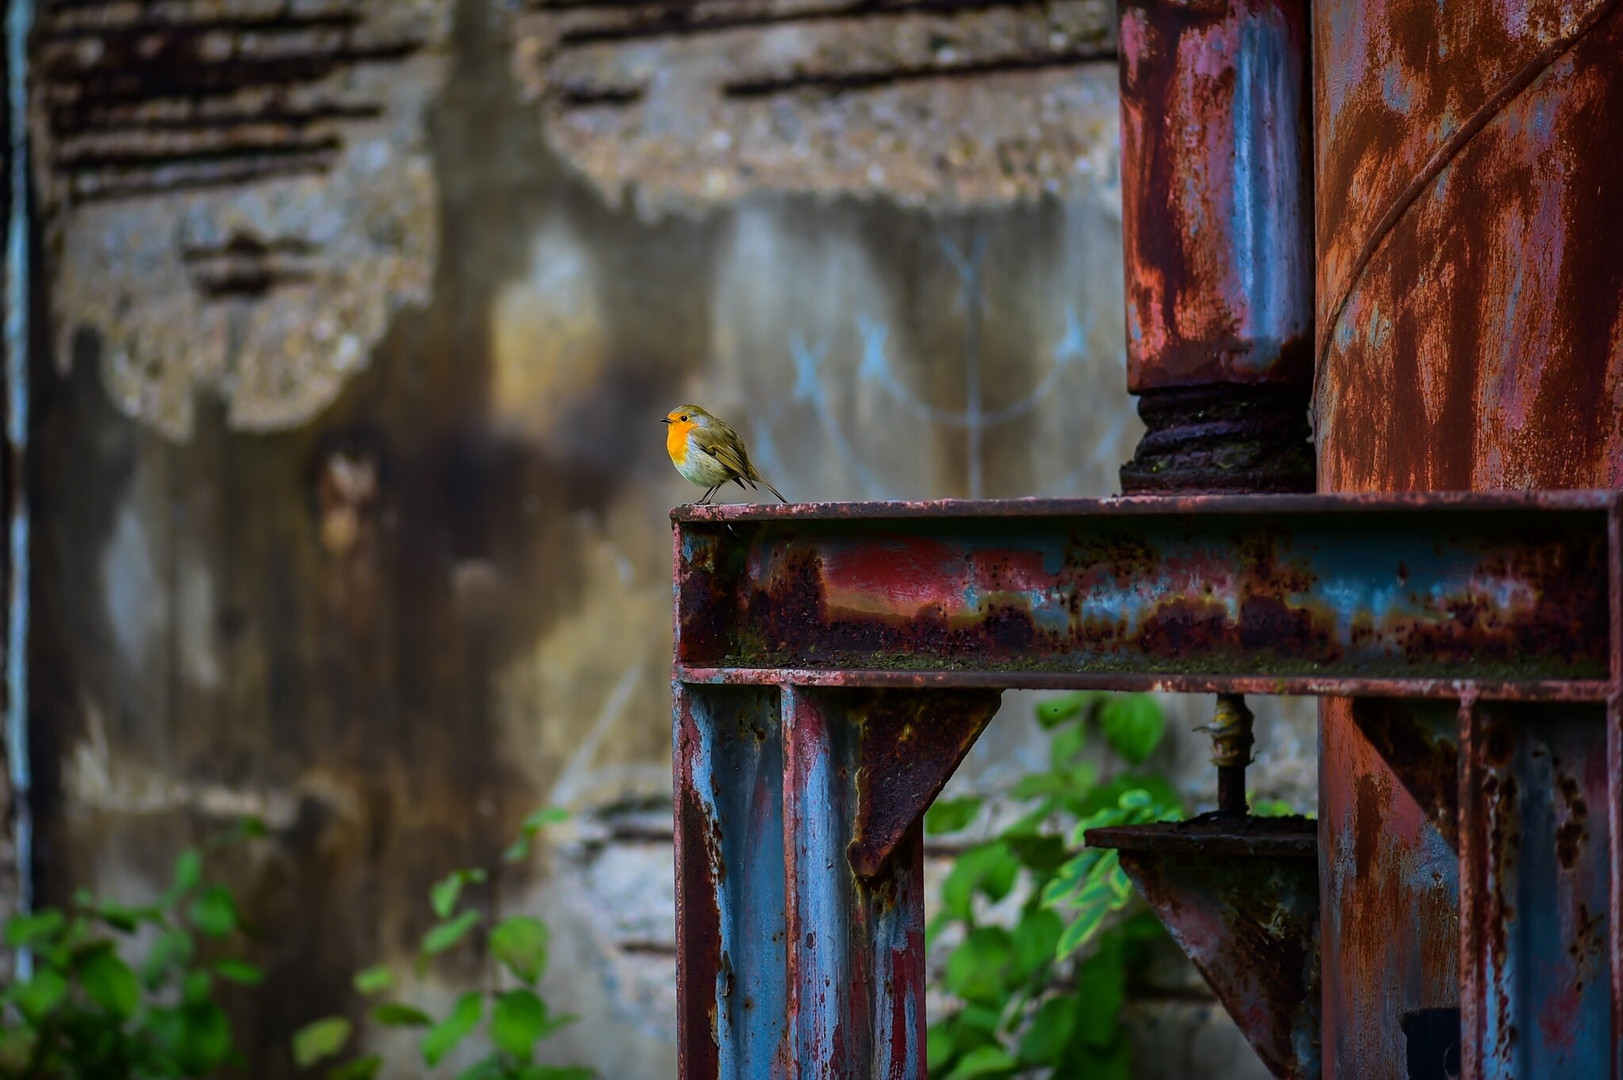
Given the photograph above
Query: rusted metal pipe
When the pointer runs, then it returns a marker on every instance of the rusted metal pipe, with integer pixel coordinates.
(1216, 161)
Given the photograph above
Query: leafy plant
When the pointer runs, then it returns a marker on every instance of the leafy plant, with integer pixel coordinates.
(91, 1010)
(1032, 1001)
(516, 1018)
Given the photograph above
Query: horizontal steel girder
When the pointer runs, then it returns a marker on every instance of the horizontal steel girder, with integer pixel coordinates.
(1499, 597)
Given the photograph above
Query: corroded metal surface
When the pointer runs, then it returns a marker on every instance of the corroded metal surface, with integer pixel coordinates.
(1216, 191)
(730, 899)
(1224, 438)
(1217, 243)
(909, 748)
(800, 875)
(1419, 741)
(1535, 987)
(1241, 897)
(1470, 296)
(1311, 593)
(1391, 928)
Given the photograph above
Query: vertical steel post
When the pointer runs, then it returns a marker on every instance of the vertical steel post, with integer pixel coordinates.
(1217, 219)
(800, 875)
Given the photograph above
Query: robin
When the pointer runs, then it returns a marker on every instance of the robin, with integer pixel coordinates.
(708, 452)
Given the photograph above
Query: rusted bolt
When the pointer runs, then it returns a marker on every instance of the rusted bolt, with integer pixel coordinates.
(1230, 731)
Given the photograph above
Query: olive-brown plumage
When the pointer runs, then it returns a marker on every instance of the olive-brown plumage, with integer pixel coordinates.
(708, 452)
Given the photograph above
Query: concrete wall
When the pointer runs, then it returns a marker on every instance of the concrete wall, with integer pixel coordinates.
(351, 506)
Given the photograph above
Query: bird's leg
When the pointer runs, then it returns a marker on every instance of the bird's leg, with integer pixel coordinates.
(706, 500)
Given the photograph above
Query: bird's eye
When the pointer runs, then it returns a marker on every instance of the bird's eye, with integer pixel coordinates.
(684, 417)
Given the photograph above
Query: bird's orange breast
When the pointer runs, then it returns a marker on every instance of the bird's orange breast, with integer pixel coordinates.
(676, 439)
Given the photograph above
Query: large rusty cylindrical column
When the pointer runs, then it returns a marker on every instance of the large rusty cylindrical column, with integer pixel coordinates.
(1470, 337)
(1216, 160)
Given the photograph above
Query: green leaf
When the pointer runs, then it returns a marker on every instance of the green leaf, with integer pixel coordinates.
(556, 1072)
(239, 972)
(446, 934)
(1101, 981)
(1035, 937)
(373, 980)
(951, 815)
(1057, 710)
(1043, 854)
(201, 1040)
(978, 966)
(1050, 1029)
(32, 931)
(393, 1014)
(40, 996)
(188, 870)
(547, 815)
(1070, 876)
(939, 1045)
(1038, 785)
(360, 1069)
(517, 1022)
(520, 943)
(990, 868)
(109, 982)
(125, 920)
(214, 912)
(194, 989)
(170, 950)
(491, 1068)
(1133, 725)
(445, 1036)
(533, 823)
(443, 896)
(1080, 932)
(983, 1061)
(321, 1039)
(1064, 746)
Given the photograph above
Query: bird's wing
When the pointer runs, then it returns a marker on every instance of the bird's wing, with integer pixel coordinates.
(728, 451)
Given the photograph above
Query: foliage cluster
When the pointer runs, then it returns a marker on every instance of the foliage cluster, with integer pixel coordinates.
(1041, 992)
(137, 993)
(87, 1010)
(516, 1018)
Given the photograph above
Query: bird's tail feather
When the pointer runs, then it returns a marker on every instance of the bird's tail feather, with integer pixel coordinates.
(776, 492)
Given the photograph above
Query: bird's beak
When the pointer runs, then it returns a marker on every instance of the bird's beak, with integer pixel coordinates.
(664, 419)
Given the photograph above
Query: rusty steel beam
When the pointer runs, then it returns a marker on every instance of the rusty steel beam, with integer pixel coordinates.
(1241, 898)
(800, 875)
(1535, 849)
(1419, 740)
(1407, 596)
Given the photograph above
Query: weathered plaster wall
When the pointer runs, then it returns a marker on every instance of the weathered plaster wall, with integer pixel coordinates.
(351, 509)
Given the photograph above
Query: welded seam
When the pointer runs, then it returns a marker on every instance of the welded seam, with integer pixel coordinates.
(19, 21)
(1440, 159)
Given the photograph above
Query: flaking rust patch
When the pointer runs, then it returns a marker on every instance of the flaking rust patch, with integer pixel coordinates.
(238, 197)
(683, 105)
